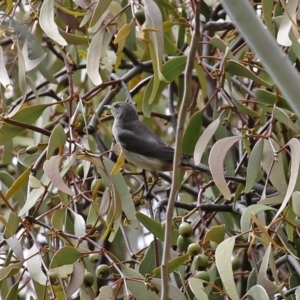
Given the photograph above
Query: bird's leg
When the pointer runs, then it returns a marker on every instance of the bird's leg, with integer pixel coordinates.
(149, 194)
(155, 181)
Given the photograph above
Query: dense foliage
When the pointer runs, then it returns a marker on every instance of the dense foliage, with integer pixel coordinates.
(222, 86)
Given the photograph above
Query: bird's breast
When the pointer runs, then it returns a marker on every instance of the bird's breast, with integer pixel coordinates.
(147, 163)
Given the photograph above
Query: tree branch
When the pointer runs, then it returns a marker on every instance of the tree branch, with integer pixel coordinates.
(187, 96)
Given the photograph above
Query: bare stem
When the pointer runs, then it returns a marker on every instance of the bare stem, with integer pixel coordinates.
(178, 149)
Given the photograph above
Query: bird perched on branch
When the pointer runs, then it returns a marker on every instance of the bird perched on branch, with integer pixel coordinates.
(140, 145)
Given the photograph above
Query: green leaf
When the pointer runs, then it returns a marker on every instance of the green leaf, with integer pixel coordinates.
(13, 224)
(57, 138)
(283, 118)
(192, 132)
(277, 173)
(122, 35)
(252, 209)
(286, 24)
(27, 160)
(295, 150)
(216, 163)
(238, 69)
(254, 163)
(30, 64)
(262, 277)
(267, 8)
(68, 11)
(137, 286)
(6, 179)
(18, 184)
(51, 169)
(6, 272)
(47, 23)
(13, 292)
(257, 291)
(296, 203)
(204, 139)
(170, 70)
(197, 288)
(202, 79)
(97, 49)
(220, 44)
(223, 261)
(155, 228)
(4, 79)
(35, 195)
(173, 264)
(122, 189)
(27, 115)
(215, 234)
(58, 218)
(243, 109)
(152, 256)
(76, 280)
(34, 265)
(101, 7)
(21, 73)
(65, 256)
(267, 97)
(73, 39)
(153, 33)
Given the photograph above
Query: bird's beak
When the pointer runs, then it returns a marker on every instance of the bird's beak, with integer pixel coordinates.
(107, 106)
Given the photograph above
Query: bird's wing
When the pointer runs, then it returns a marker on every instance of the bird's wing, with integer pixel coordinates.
(151, 144)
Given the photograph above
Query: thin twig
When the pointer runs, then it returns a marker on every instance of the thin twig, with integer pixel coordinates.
(178, 150)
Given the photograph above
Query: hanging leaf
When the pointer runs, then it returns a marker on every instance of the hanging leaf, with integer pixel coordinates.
(170, 70)
(286, 23)
(31, 64)
(262, 278)
(224, 265)
(35, 195)
(48, 24)
(204, 139)
(57, 138)
(97, 49)
(294, 145)
(277, 172)
(254, 163)
(155, 36)
(197, 288)
(34, 265)
(51, 168)
(216, 163)
(4, 79)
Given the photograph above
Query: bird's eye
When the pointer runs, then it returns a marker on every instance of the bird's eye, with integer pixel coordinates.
(116, 105)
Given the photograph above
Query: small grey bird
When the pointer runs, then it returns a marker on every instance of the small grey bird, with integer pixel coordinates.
(141, 146)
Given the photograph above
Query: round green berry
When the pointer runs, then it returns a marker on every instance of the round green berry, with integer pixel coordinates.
(183, 243)
(140, 16)
(88, 279)
(94, 257)
(185, 229)
(194, 249)
(201, 261)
